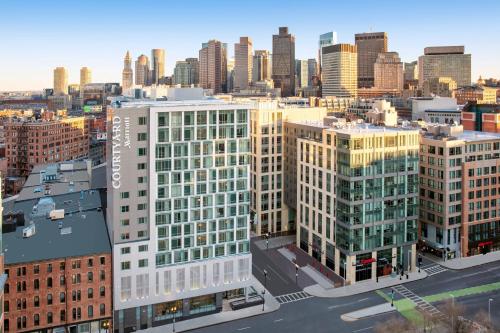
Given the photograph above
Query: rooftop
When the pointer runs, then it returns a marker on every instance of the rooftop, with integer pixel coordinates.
(81, 231)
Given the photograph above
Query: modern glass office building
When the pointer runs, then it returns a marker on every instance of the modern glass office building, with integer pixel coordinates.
(178, 198)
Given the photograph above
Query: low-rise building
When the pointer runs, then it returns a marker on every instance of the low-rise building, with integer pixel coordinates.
(478, 94)
(481, 117)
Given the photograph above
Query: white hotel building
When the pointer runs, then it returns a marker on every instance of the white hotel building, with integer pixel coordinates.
(178, 208)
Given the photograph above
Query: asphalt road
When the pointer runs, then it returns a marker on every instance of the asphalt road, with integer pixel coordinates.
(318, 315)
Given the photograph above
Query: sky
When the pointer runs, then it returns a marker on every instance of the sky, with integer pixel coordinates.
(37, 36)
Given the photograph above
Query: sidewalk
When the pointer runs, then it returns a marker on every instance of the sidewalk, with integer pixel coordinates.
(363, 286)
(319, 278)
(270, 305)
(275, 242)
(466, 262)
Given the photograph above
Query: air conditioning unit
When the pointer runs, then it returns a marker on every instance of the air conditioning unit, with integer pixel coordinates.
(29, 231)
(56, 214)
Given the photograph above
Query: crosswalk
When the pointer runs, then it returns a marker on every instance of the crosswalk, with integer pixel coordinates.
(419, 301)
(434, 269)
(293, 297)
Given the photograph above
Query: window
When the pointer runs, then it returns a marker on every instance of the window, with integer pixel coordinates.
(125, 250)
(141, 151)
(125, 222)
(142, 120)
(102, 291)
(141, 206)
(102, 260)
(90, 293)
(141, 166)
(62, 297)
(90, 311)
(90, 276)
(6, 306)
(49, 282)
(49, 299)
(141, 193)
(36, 269)
(49, 318)
(62, 266)
(90, 262)
(125, 235)
(142, 136)
(102, 275)
(36, 284)
(62, 280)
(124, 195)
(102, 309)
(36, 319)
(125, 265)
(143, 248)
(143, 262)
(36, 301)
(62, 315)
(124, 209)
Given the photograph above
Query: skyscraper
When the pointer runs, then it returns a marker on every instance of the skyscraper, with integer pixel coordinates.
(85, 76)
(243, 63)
(388, 71)
(445, 61)
(213, 66)
(127, 73)
(369, 45)
(301, 73)
(195, 67)
(184, 73)
(326, 39)
(312, 71)
(60, 81)
(261, 66)
(284, 62)
(158, 59)
(142, 71)
(410, 71)
(340, 71)
(179, 221)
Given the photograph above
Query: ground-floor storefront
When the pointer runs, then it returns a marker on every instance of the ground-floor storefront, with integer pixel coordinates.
(95, 326)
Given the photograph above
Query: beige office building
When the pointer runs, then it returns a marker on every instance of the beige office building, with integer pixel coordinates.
(410, 71)
(158, 59)
(127, 73)
(340, 70)
(261, 66)
(213, 66)
(85, 76)
(388, 71)
(357, 191)
(267, 122)
(445, 61)
(243, 63)
(60, 81)
(284, 62)
(369, 46)
(142, 71)
(440, 86)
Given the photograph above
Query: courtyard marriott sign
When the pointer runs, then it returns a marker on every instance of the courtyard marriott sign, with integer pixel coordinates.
(117, 144)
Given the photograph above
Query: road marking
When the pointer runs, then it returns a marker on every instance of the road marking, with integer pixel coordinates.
(277, 274)
(293, 297)
(363, 329)
(243, 328)
(347, 304)
(278, 320)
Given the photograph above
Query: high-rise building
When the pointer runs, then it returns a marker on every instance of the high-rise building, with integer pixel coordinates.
(142, 71)
(388, 71)
(261, 66)
(301, 73)
(3, 276)
(369, 45)
(60, 81)
(445, 61)
(284, 62)
(127, 73)
(213, 66)
(183, 73)
(180, 226)
(85, 76)
(357, 199)
(410, 71)
(326, 39)
(340, 70)
(439, 86)
(158, 60)
(458, 173)
(195, 67)
(243, 63)
(312, 71)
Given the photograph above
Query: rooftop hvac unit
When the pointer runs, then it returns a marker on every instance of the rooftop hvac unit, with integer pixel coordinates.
(29, 231)
(56, 214)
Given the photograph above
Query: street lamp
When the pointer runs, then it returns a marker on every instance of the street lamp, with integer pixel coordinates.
(345, 271)
(392, 297)
(267, 240)
(489, 309)
(452, 312)
(265, 279)
(296, 273)
(173, 310)
(263, 299)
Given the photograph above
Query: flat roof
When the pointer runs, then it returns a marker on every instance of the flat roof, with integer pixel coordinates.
(154, 103)
(469, 136)
(371, 129)
(84, 230)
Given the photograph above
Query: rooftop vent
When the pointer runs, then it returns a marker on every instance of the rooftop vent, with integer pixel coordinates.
(56, 214)
(29, 231)
(66, 231)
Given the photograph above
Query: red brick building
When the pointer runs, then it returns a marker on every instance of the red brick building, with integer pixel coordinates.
(481, 117)
(59, 269)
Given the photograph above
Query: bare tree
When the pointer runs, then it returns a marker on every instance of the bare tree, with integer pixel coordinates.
(395, 324)
(453, 317)
(482, 319)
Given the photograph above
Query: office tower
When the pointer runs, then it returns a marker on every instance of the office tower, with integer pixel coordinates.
(481, 117)
(68, 137)
(60, 81)
(213, 66)
(284, 62)
(301, 73)
(142, 71)
(477, 94)
(457, 171)
(261, 66)
(178, 208)
(440, 86)
(410, 71)
(158, 70)
(195, 67)
(230, 74)
(357, 196)
(369, 45)
(445, 61)
(312, 71)
(183, 73)
(340, 70)
(267, 119)
(326, 39)
(85, 76)
(388, 71)
(243, 63)
(127, 73)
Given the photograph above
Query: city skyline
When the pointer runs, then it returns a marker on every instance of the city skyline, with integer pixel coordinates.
(101, 47)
